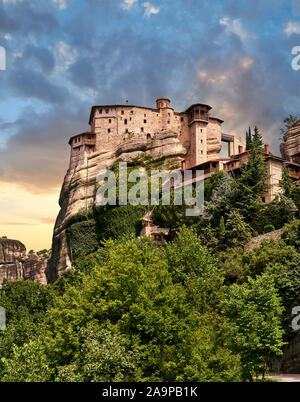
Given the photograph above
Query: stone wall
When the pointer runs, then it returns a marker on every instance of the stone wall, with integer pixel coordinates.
(256, 241)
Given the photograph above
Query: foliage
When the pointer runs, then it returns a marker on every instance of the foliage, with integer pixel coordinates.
(254, 311)
(236, 232)
(269, 228)
(251, 186)
(221, 200)
(28, 363)
(291, 234)
(104, 356)
(25, 305)
(82, 236)
(288, 123)
(137, 296)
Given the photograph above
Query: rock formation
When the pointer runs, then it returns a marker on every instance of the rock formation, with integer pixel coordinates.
(79, 188)
(16, 265)
(290, 149)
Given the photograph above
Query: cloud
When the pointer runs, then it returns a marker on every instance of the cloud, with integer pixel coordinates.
(292, 28)
(64, 55)
(128, 4)
(62, 4)
(235, 27)
(150, 9)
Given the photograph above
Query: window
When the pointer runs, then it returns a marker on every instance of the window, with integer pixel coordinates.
(122, 112)
(201, 141)
(126, 130)
(145, 121)
(125, 121)
(131, 112)
(181, 118)
(148, 137)
(108, 130)
(168, 121)
(201, 151)
(106, 111)
(130, 118)
(142, 129)
(169, 114)
(100, 111)
(201, 130)
(144, 115)
(109, 120)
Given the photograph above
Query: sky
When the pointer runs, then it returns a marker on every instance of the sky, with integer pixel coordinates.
(63, 56)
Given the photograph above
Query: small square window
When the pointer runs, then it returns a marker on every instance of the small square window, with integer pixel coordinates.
(145, 121)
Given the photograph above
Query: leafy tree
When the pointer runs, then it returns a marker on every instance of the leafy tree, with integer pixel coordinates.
(192, 265)
(28, 363)
(104, 356)
(26, 304)
(254, 311)
(291, 234)
(154, 314)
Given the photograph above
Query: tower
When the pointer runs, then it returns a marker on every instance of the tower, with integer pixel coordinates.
(198, 119)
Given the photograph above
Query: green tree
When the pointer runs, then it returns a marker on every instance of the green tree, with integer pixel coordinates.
(237, 233)
(221, 200)
(254, 311)
(28, 363)
(251, 186)
(286, 182)
(248, 139)
(288, 123)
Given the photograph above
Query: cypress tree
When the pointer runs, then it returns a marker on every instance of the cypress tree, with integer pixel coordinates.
(248, 138)
(252, 185)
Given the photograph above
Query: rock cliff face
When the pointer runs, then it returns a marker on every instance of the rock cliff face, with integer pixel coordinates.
(16, 265)
(290, 149)
(79, 188)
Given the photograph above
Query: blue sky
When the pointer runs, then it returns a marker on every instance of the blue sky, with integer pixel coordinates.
(63, 56)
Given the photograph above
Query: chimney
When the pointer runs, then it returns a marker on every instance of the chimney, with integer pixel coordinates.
(267, 149)
(240, 149)
(127, 103)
